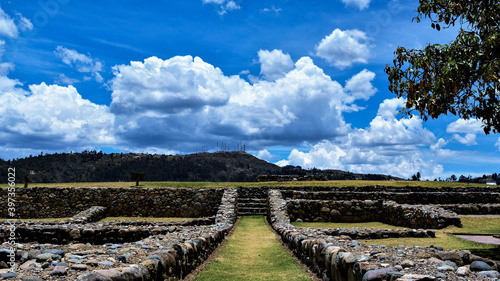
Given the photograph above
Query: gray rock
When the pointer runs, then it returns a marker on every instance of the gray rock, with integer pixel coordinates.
(32, 255)
(463, 271)
(479, 266)
(8, 275)
(378, 274)
(59, 271)
(106, 263)
(32, 278)
(55, 252)
(490, 273)
(93, 277)
(45, 257)
(441, 275)
(445, 268)
(79, 267)
(407, 263)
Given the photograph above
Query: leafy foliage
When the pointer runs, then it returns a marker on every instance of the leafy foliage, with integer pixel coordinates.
(462, 77)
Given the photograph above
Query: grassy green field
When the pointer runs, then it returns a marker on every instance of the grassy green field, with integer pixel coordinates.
(337, 183)
(253, 253)
(473, 225)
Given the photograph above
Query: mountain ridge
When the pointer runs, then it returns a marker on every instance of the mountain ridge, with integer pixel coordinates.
(224, 166)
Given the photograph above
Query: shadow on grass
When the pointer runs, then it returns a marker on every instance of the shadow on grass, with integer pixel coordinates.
(492, 253)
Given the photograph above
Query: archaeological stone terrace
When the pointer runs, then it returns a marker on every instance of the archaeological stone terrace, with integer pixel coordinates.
(81, 247)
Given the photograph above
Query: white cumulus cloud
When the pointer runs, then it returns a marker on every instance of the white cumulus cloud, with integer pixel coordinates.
(470, 126)
(185, 101)
(51, 117)
(360, 4)
(274, 64)
(266, 155)
(343, 48)
(387, 146)
(468, 139)
(82, 63)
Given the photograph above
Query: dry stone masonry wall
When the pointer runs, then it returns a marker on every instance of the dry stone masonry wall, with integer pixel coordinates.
(154, 251)
(334, 255)
(44, 202)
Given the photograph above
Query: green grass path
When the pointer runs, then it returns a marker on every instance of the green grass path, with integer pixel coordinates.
(253, 253)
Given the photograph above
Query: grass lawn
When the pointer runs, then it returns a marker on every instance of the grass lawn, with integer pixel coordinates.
(253, 253)
(149, 219)
(474, 225)
(336, 183)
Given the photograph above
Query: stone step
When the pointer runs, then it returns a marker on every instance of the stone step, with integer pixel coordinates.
(260, 205)
(248, 200)
(252, 208)
(251, 213)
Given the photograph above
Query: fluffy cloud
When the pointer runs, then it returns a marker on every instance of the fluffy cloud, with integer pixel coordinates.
(50, 117)
(274, 64)
(498, 144)
(470, 126)
(360, 4)
(468, 139)
(7, 26)
(168, 87)
(388, 145)
(184, 101)
(360, 87)
(81, 62)
(224, 6)
(266, 155)
(343, 48)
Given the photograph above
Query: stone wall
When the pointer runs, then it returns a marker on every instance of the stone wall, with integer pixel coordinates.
(334, 211)
(460, 196)
(189, 247)
(413, 216)
(334, 256)
(42, 202)
(473, 209)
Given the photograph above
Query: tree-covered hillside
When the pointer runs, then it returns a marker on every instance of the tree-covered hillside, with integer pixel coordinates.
(93, 166)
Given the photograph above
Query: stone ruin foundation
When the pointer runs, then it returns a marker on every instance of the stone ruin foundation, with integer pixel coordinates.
(142, 250)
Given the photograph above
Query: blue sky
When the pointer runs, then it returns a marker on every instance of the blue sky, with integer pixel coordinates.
(298, 82)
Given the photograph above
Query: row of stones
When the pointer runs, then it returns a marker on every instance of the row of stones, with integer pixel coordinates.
(395, 189)
(411, 197)
(340, 258)
(184, 251)
(44, 202)
(413, 216)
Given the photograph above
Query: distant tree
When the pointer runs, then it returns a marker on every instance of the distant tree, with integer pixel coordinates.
(462, 77)
(453, 178)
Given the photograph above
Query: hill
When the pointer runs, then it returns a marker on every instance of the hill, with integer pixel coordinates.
(93, 166)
